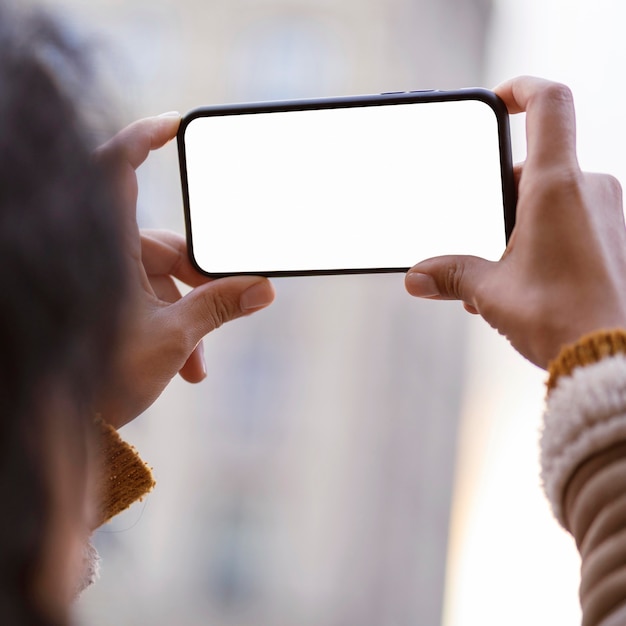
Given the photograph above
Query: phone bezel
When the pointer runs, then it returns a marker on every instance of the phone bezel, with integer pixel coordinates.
(509, 189)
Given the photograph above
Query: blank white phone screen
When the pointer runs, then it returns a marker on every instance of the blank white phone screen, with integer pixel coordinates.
(348, 188)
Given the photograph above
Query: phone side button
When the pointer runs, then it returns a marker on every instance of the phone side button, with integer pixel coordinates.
(392, 93)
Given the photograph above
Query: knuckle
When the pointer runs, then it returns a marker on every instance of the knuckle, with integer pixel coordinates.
(179, 340)
(217, 311)
(567, 178)
(453, 279)
(568, 182)
(554, 185)
(614, 186)
(558, 93)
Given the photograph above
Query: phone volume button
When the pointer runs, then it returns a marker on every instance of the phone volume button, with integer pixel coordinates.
(392, 93)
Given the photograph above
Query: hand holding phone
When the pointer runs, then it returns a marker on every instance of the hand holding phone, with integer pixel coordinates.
(346, 185)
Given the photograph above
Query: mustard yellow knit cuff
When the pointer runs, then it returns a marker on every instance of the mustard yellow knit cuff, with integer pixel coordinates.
(587, 350)
(125, 477)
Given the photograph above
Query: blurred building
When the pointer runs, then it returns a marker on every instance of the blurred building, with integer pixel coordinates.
(308, 480)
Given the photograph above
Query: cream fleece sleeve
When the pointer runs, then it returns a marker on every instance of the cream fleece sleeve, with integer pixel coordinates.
(583, 460)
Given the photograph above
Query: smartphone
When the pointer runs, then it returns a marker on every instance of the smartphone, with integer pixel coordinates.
(346, 185)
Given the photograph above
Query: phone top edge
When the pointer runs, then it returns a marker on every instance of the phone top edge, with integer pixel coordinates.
(424, 95)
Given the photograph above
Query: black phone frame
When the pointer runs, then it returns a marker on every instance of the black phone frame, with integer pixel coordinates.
(509, 187)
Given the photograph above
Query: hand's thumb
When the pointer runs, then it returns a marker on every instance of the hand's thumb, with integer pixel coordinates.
(207, 307)
(447, 278)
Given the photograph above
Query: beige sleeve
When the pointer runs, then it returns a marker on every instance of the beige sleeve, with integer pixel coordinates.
(584, 467)
(125, 478)
(595, 513)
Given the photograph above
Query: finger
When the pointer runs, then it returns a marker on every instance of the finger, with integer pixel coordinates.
(208, 306)
(164, 288)
(448, 278)
(550, 119)
(194, 369)
(134, 143)
(165, 252)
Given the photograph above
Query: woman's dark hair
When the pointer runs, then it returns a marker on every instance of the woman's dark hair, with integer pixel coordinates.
(62, 280)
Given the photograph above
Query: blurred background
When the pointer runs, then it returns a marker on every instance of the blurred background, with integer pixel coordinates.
(355, 456)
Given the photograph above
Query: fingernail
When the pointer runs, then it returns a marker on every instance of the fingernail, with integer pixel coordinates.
(170, 114)
(259, 295)
(421, 285)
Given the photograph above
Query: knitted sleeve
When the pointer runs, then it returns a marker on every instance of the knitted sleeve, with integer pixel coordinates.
(583, 465)
(125, 478)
